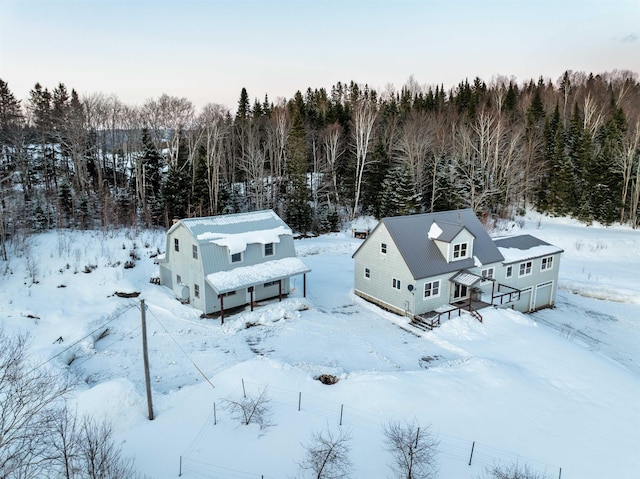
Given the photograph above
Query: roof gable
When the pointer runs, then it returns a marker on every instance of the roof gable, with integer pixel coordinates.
(237, 230)
(422, 256)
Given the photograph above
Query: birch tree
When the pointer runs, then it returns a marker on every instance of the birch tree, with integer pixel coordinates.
(364, 118)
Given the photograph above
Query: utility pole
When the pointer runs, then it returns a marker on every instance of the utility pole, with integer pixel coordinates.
(145, 355)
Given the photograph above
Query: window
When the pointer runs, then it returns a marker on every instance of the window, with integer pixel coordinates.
(396, 283)
(367, 273)
(194, 251)
(547, 263)
(176, 244)
(509, 272)
(236, 258)
(383, 248)
(268, 249)
(487, 274)
(459, 291)
(228, 293)
(196, 290)
(525, 268)
(431, 290)
(178, 279)
(270, 283)
(460, 250)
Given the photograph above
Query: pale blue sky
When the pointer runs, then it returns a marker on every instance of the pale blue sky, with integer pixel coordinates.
(207, 51)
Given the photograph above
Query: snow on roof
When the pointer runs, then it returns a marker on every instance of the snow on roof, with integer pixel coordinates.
(237, 242)
(434, 231)
(466, 278)
(244, 276)
(232, 219)
(522, 247)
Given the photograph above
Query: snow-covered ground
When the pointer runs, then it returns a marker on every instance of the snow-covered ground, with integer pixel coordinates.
(558, 390)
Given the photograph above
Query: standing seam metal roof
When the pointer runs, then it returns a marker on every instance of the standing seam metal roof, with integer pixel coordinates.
(421, 254)
(231, 224)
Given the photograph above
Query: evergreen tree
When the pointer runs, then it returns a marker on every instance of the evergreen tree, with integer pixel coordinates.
(176, 187)
(151, 180)
(297, 207)
(399, 193)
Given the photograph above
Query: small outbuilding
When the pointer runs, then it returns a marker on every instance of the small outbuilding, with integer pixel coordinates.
(221, 262)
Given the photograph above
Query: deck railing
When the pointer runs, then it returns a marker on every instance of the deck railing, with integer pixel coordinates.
(509, 295)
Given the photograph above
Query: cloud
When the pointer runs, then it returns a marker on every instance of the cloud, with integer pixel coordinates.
(632, 37)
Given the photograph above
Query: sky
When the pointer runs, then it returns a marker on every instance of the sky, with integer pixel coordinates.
(207, 51)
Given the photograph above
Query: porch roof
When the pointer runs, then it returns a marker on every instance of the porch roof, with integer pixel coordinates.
(245, 276)
(465, 278)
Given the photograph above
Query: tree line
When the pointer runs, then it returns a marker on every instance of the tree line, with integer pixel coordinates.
(569, 147)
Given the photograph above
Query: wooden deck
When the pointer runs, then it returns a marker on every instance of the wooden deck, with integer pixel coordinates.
(433, 319)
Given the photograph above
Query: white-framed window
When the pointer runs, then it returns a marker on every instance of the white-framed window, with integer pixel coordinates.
(270, 283)
(432, 289)
(194, 251)
(268, 249)
(460, 250)
(487, 274)
(176, 244)
(236, 257)
(383, 248)
(196, 290)
(178, 279)
(396, 283)
(547, 263)
(509, 271)
(228, 293)
(525, 268)
(367, 273)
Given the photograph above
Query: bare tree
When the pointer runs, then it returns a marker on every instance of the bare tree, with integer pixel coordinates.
(100, 457)
(413, 146)
(514, 471)
(27, 398)
(327, 455)
(413, 448)
(251, 409)
(333, 149)
(364, 117)
(212, 122)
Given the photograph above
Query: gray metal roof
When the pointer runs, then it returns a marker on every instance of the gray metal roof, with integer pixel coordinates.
(231, 224)
(518, 248)
(449, 230)
(421, 254)
(523, 242)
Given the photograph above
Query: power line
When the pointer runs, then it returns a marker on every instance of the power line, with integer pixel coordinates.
(181, 349)
(83, 338)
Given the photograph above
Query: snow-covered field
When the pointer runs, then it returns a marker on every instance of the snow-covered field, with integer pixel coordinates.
(558, 390)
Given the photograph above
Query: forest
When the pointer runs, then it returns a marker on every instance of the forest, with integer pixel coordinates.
(569, 147)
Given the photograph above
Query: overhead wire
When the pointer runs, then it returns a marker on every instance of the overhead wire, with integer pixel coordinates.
(181, 349)
(83, 338)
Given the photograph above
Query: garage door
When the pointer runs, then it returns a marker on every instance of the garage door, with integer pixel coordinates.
(543, 295)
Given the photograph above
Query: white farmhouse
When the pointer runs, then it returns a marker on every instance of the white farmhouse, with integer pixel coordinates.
(221, 262)
(431, 266)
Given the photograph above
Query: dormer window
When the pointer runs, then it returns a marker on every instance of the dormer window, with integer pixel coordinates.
(460, 250)
(236, 258)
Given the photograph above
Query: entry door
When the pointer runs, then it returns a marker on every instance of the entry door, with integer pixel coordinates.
(459, 291)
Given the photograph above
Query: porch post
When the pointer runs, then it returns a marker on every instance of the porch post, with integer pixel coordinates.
(251, 292)
(280, 290)
(493, 288)
(221, 308)
(304, 285)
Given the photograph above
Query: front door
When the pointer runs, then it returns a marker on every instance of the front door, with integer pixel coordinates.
(459, 291)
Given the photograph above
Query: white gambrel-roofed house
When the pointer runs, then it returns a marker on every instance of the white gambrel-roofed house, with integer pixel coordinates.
(433, 265)
(220, 262)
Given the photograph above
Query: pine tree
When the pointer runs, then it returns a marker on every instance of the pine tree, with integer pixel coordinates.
(297, 207)
(399, 195)
(176, 187)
